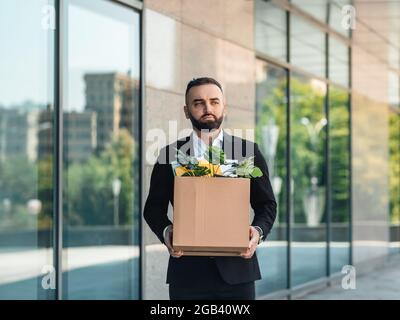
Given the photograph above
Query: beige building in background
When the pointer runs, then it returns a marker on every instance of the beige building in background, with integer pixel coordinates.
(187, 39)
(315, 83)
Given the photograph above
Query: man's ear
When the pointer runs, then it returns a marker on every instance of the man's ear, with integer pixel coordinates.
(185, 109)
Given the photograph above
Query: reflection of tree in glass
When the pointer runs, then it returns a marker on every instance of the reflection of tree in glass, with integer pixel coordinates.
(308, 151)
(394, 145)
(271, 134)
(46, 189)
(21, 182)
(339, 154)
(89, 199)
(18, 179)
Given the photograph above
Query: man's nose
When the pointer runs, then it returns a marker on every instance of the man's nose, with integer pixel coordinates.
(208, 107)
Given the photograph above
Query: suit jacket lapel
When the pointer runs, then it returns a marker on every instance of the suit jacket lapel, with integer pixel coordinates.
(186, 145)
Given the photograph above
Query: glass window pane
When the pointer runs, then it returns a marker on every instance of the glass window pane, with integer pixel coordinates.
(270, 29)
(271, 108)
(26, 162)
(336, 17)
(394, 180)
(308, 133)
(339, 143)
(315, 8)
(101, 90)
(307, 46)
(319, 9)
(338, 62)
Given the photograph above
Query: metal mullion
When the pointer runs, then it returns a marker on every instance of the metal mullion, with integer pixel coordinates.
(58, 154)
(288, 159)
(350, 111)
(142, 260)
(135, 4)
(328, 204)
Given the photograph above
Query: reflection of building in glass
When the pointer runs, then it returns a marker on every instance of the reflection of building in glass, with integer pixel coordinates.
(113, 97)
(79, 134)
(18, 134)
(45, 134)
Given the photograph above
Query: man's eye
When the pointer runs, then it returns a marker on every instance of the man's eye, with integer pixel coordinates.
(215, 102)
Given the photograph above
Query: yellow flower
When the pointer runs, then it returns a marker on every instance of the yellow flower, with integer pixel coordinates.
(179, 171)
(215, 169)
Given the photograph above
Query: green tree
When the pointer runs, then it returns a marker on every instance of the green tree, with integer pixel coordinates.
(394, 162)
(18, 185)
(308, 151)
(88, 197)
(339, 154)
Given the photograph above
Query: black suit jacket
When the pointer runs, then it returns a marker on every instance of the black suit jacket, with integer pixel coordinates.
(188, 270)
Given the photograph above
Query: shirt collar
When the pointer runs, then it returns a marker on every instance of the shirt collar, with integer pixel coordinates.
(218, 139)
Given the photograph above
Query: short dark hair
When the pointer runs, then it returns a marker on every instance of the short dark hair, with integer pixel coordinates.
(200, 81)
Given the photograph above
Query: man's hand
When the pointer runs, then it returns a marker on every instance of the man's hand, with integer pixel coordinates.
(254, 238)
(168, 243)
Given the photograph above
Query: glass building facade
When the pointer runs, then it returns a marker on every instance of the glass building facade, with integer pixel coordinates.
(86, 86)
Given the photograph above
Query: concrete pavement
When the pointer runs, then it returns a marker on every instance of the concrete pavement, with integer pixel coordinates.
(381, 284)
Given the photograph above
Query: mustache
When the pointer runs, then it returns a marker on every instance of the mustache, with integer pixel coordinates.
(206, 125)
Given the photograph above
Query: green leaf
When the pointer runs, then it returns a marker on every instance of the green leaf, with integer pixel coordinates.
(196, 171)
(247, 169)
(188, 174)
(256, 172)
(214, 155)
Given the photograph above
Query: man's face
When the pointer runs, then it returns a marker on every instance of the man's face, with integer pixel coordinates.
(205, 107)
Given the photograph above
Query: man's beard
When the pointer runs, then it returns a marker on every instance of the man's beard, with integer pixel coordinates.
(207, 125)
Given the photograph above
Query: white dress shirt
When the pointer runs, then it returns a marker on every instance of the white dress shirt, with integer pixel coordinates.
(200, 146)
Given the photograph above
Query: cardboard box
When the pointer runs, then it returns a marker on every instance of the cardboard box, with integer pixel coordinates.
(211, 215)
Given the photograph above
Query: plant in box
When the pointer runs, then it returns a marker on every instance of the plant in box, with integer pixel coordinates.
(214, 164)
(197, 220)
